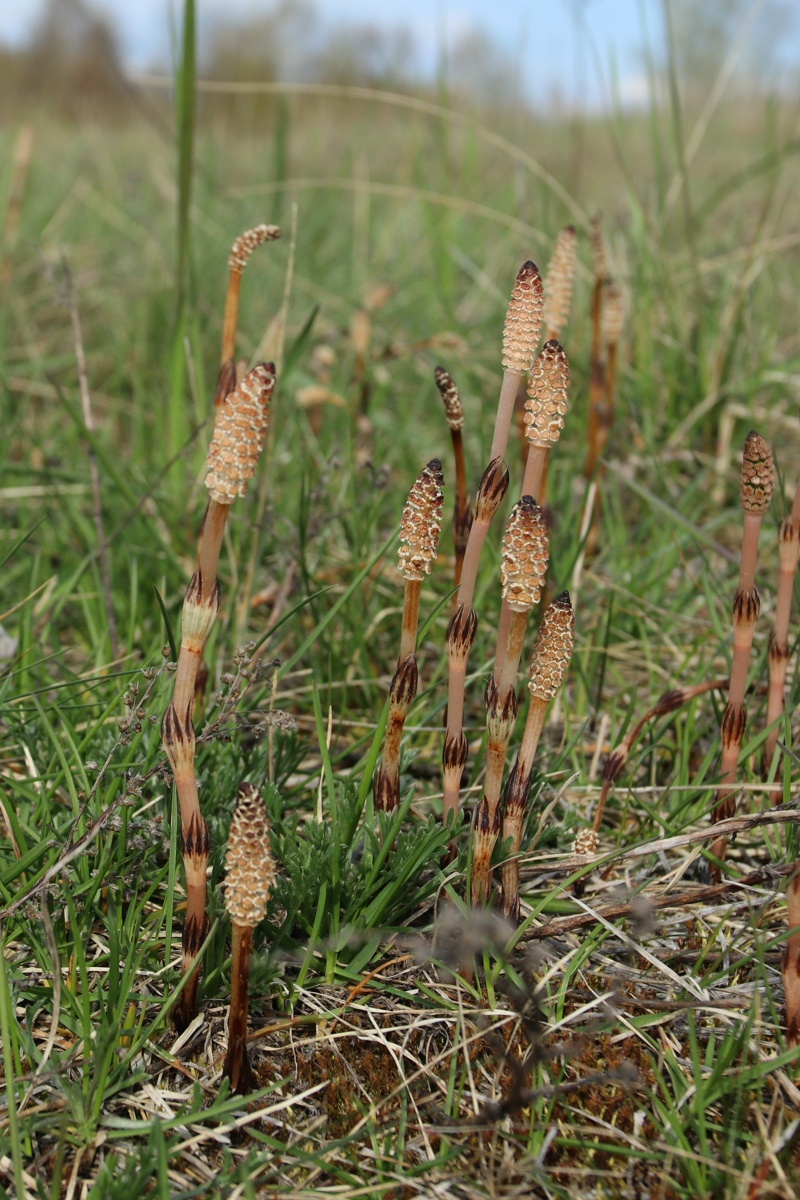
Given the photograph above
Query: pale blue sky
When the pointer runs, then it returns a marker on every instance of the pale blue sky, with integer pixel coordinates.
(560, 46)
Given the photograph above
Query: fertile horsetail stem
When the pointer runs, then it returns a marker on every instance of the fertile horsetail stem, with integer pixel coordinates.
(549, 662)
(462, 512)
(755, 493)
(238, 258)
(232, 457)
(250, 876)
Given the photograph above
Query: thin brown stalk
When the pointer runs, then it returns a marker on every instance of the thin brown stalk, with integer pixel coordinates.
(790, 967)
(462, 510)
(549, 662)
(596, 373)
(669, 702)
(612, 324)
(232, 458)
(758, 478)
(500, 721)
(250, 877)
(238, 258)
(789, 551)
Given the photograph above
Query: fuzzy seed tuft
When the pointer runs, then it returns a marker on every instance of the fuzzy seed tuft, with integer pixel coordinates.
(421, 522)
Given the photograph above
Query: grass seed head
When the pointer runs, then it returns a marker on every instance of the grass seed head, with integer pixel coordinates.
(524, 556)
(758, 474)
(553, 649)
(558, 281)
(453, 408)
(239, 435)
(523, 322)
(249, 865)
(246, 243)
(421, 522)
(548, 395)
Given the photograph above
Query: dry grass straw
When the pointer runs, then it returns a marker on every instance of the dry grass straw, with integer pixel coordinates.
(419, 542)
(523, 567)
(755, 493)
(250, 876)
(462, 509)
(551, 656)
(238, 258)
(232, 457)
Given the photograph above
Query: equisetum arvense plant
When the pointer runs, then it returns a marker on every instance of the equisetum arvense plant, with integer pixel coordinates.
(419, 542)
(232, 457)
(551, 656)
(596, 373)
(755, 493)
(523, 567)
(249, 879)
(558, 280)
(790, 967)
(545, 408)
(238, 258)
(520, 337)
(462, 510)
(789, 554)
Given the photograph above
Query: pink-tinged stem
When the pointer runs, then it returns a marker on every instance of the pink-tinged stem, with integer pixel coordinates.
(505, 412)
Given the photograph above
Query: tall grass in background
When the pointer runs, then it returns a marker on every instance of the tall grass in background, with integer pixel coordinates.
(405, 220)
